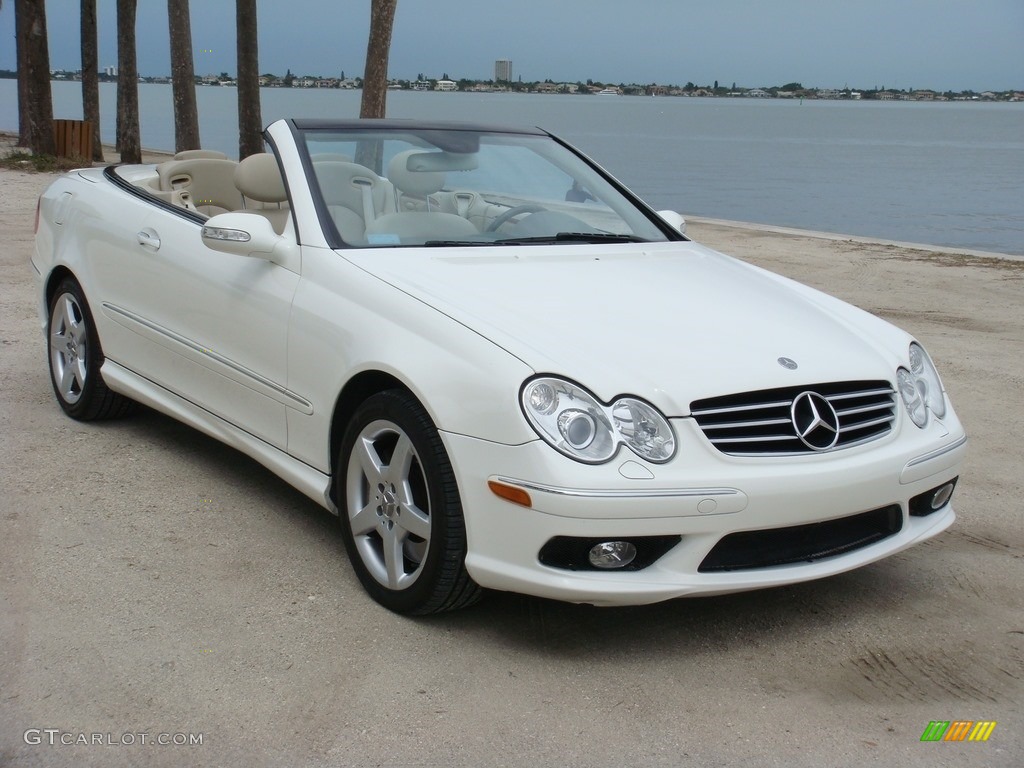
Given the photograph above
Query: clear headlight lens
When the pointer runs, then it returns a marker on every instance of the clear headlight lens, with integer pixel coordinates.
(920, 387)
(922, 367)
(643, 429)
(577, 424)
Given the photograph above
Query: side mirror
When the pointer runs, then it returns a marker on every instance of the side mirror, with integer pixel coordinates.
(247, 234)
(674, 220)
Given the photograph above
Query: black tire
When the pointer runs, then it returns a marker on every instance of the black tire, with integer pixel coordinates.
(400, 513)
(75, 356)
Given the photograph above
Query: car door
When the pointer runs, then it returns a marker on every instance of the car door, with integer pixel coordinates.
(209, 326)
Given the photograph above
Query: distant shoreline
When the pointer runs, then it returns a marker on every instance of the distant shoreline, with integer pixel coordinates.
(790, 91)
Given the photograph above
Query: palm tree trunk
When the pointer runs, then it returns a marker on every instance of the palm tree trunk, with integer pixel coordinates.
(21, 51)
(378, 48)
(35, 101)
(128, 142)
(90, 76)
(250, 120)
(186, 114)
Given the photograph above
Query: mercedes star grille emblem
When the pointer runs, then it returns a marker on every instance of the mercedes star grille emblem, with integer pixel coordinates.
(815, 421)
(787, 362)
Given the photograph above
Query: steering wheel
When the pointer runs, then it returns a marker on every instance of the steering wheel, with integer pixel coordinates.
(511, 213)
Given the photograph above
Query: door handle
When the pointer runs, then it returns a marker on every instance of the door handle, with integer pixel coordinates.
(148, 239)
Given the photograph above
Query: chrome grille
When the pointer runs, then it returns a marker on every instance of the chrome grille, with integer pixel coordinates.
(761, 423)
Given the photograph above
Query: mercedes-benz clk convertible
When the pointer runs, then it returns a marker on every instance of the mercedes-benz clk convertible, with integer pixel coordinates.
(495, 364)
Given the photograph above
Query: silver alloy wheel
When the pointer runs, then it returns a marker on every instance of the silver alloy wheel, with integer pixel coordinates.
(389, 504)
(69, 348)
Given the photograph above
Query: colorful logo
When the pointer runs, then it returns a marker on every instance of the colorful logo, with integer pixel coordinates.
(958, 730)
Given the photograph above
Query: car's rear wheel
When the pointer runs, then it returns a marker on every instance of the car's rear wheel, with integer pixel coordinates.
(75, 358)
(400, 510)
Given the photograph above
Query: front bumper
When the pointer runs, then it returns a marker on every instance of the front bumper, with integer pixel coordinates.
(700, 496)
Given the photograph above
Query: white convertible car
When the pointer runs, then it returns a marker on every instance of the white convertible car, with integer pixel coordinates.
(495, 364)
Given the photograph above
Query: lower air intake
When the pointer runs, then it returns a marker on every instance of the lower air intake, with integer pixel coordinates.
(802, 543)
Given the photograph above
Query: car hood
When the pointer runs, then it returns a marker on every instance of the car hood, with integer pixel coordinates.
(668, 322)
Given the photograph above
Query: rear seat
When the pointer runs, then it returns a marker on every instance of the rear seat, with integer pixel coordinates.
(208, 182)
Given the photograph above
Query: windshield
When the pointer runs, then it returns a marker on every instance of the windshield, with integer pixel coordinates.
(440, 187)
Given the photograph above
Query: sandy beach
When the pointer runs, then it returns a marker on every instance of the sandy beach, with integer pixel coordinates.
(154, 581)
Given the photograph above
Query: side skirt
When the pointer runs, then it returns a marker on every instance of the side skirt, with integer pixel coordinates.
(302, 477)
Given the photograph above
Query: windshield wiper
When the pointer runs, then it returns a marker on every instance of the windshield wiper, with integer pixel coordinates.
(560, 237)
(455, 243)
(573, 237)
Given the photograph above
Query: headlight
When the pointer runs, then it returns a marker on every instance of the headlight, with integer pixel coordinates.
(577, 424)
(920, 387)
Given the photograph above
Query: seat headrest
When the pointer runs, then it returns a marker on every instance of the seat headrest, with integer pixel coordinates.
(415, 183)
(258, 178)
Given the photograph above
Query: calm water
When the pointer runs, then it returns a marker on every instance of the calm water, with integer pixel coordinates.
(945, 173)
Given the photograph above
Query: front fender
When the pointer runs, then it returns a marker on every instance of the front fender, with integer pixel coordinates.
(346, 322)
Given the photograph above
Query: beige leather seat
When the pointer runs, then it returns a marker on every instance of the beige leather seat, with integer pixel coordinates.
(209, 182)
(354, 195)
(258, 178)
(417, 218)
(412, 188)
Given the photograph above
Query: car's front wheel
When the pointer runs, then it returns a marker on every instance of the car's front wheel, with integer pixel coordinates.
(400, 510)
(75, 358)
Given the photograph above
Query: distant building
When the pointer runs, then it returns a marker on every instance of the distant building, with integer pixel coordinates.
(503, 70)
(446, 85)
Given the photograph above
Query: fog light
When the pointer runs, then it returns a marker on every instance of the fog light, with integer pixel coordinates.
(612, 554)
(932, 501)
(941, 496)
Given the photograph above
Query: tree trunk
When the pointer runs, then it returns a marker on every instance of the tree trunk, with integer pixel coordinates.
(250, 121)
(183, 76)
(21, 52)
(128, 142)
(35, 102)
(90, 76)
(375, 76)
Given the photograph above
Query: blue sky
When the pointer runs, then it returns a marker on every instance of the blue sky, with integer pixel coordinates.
(939, 44)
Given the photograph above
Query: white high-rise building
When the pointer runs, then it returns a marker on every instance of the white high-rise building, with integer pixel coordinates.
(503, 70)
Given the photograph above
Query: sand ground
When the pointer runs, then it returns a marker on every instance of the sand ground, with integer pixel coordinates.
(154, 581)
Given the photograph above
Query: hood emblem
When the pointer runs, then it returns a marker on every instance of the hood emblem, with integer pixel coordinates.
(786, 362)
(815, 421)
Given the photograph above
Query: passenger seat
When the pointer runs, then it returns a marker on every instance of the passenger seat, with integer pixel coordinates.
(355, 196)
(259, 180)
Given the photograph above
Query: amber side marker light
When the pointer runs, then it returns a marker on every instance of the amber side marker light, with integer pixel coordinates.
(510, 493)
